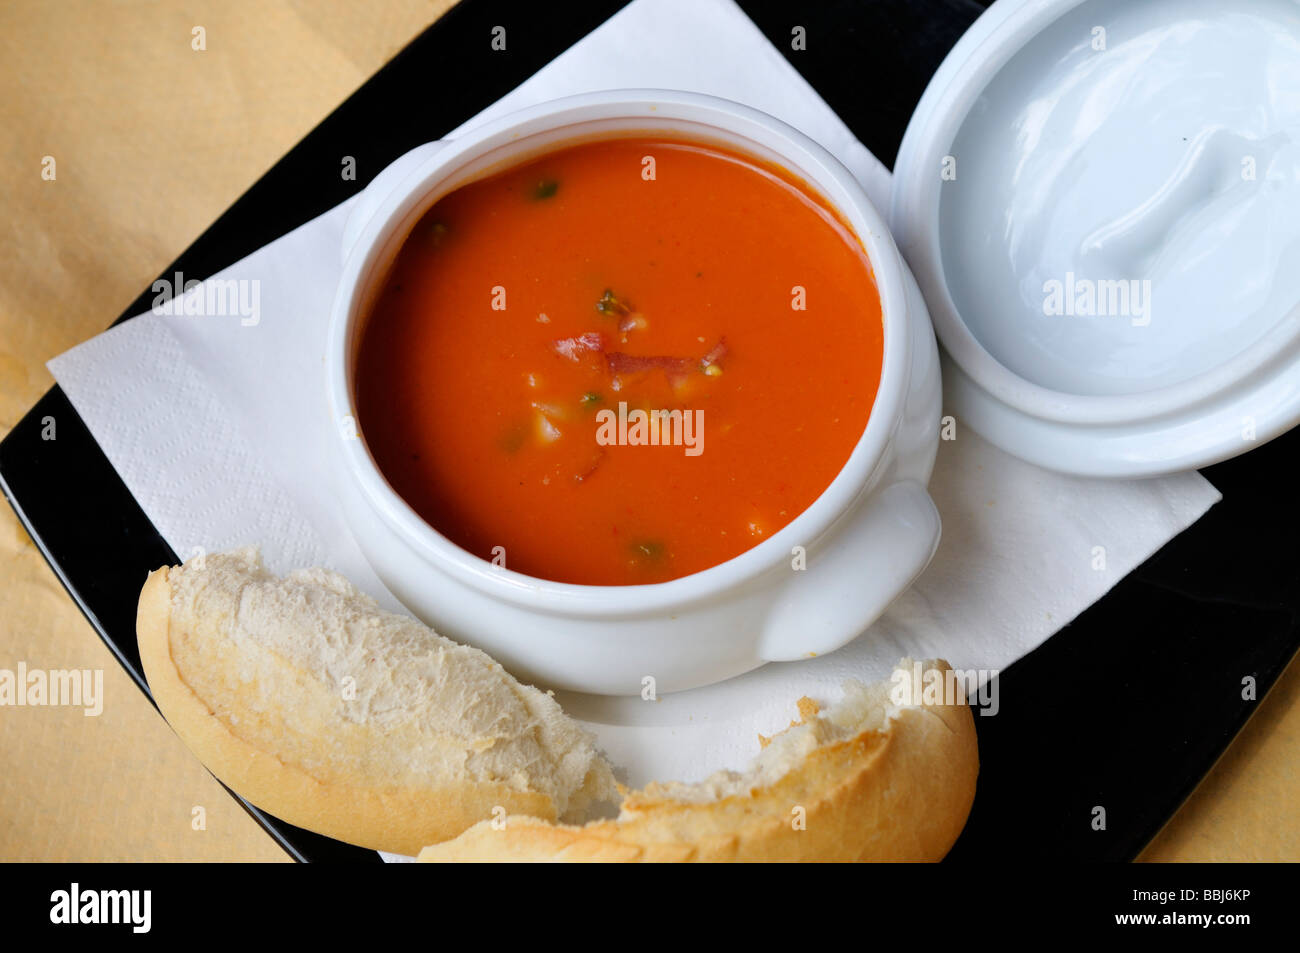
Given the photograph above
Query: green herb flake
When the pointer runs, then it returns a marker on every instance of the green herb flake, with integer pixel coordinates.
(591, 397)
(611, 305)
(545, 189)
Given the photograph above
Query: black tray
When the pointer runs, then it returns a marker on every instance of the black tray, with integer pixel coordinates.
(1127, 708)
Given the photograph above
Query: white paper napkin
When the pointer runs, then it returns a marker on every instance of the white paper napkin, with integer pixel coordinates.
(219, 429)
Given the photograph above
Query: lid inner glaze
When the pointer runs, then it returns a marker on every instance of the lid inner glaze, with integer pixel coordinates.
(1125, 212)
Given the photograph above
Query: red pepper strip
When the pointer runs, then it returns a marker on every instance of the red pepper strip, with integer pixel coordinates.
(716, 355)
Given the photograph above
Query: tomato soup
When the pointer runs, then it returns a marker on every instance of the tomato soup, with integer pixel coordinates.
(622, 362)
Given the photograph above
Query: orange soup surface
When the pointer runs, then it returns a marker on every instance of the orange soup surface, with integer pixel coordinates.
(622, 362)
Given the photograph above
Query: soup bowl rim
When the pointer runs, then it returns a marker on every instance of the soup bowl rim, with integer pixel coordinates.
(735, 124)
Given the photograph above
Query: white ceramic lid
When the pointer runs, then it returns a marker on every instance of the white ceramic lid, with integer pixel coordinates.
(1100, 200)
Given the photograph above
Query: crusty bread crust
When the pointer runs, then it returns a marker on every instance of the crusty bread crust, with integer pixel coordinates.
(869, 780)
(357, 810)
(897, 794)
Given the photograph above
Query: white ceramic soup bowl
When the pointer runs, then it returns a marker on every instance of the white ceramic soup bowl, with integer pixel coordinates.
(806, 590)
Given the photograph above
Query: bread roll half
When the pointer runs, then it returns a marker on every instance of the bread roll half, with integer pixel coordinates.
(866, 780)
(313, 703)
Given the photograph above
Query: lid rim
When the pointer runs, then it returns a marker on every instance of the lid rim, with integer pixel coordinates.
(979, 56)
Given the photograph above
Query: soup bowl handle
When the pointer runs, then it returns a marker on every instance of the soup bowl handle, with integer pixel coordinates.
(386, 182)
(850, 582)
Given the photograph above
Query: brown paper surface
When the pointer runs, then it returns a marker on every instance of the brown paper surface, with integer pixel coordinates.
(151, 141)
